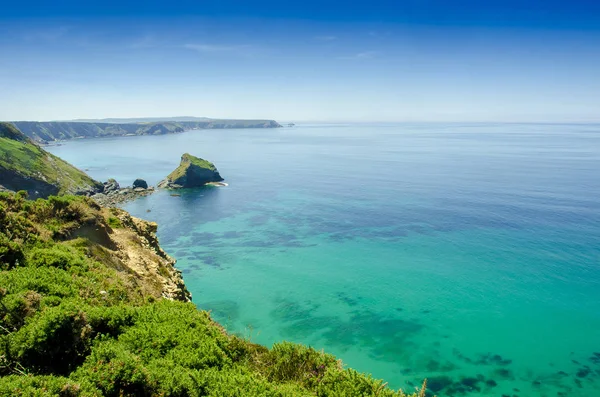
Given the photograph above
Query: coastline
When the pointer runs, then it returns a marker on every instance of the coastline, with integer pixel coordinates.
(121, 196)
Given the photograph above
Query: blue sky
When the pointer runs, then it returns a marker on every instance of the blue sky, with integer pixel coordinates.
(416, 60)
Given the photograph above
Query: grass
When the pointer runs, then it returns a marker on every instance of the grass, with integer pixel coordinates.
(114, 222)
(21, 158)
(187, 160)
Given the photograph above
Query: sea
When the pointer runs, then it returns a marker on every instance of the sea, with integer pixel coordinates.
(467, 254)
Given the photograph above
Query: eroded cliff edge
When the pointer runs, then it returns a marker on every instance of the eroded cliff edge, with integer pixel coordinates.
(137, 248)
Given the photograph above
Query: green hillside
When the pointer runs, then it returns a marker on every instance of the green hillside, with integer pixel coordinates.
(26, 166)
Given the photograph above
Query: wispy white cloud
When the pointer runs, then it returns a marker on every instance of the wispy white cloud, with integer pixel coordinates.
(326, 38)
(147, 41)
(50, 35)
(217, 48)
(377, 34)
(362, 55)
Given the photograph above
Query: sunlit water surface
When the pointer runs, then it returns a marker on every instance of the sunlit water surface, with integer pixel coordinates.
(467, 254)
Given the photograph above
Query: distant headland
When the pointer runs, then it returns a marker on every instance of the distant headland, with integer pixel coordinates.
(50, 131)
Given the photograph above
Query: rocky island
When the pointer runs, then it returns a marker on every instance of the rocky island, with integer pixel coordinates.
(192, 172)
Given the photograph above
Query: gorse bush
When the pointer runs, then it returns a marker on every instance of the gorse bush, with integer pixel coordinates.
(73, 323)
(58, 255)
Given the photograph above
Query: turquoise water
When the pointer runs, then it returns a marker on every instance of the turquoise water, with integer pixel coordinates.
(467, 254)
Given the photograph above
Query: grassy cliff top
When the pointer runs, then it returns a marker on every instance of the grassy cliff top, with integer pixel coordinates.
(21, 159)
(78, 319)
(187, 160)
(9, 131)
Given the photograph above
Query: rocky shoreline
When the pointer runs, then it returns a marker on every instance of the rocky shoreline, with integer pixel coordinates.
(113, 194)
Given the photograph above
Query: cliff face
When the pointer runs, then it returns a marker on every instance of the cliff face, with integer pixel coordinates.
(26, 166)
(71, 228)
(138, 249)
(62, 130)
(192, 172)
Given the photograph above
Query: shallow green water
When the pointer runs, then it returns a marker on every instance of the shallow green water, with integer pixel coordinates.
(467, 254)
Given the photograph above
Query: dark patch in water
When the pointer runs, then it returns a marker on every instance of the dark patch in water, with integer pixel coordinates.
(504, 373)
(259, 220)
(286, 310)
(483, 359)
(232, 234)
(583, 372)
(224, 309)
(595, 358)
(348, 300)
(444, 385)
(492, 359)
(210, 260)
(387, 338)
(179, 253)
(437, 366)
(438, 383)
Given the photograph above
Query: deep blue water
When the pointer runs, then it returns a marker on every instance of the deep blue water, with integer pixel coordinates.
(465, 253)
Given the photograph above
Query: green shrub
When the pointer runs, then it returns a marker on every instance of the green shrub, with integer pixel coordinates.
(58, 255)
(111, 321)
(115, 223)
(45, 386)
(11, 253)
(287, 362)
(55, 343)
(115, 371)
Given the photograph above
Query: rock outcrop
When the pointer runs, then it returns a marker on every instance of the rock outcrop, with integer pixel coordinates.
(140, 183)
(26, 166)
(113, 194)
(138, 249)
(111, 186)
(192, 172)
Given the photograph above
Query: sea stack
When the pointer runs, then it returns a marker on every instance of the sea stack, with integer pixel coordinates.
(192, 172)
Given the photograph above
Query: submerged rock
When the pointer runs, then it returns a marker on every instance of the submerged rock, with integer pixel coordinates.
(192, 172)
